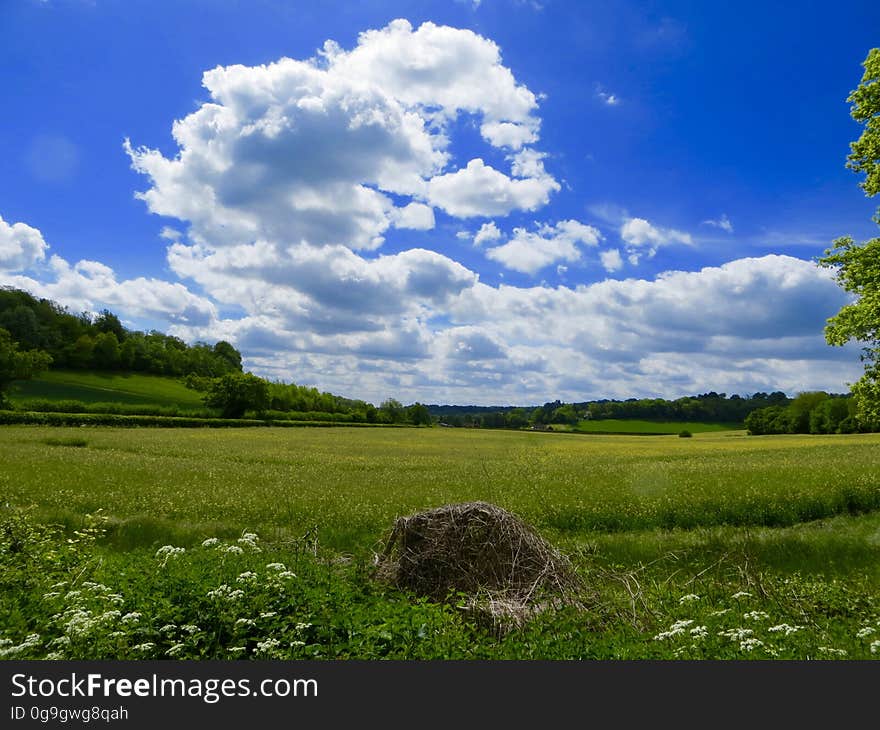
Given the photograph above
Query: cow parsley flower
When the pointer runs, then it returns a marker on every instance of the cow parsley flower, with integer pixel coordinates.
(787, 629)
(750, 644)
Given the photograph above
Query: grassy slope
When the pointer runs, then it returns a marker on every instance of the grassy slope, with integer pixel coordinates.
(613, 425)
(94, 387)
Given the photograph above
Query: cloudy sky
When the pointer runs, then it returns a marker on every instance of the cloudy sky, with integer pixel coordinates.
(493, 202)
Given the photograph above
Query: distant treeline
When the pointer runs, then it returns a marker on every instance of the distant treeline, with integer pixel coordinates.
(101, 343)
(708, 407)
(86, 342)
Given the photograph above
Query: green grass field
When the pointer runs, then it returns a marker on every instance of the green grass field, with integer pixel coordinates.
(699, 548)
(95, 387)
(619, 426)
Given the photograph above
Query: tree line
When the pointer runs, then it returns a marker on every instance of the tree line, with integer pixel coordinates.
(100, 342)
(709, 407)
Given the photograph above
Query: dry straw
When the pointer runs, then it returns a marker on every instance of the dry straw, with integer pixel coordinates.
(506, 571)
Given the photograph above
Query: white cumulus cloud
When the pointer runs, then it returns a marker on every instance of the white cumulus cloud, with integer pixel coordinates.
(21, 246)
(530, 251)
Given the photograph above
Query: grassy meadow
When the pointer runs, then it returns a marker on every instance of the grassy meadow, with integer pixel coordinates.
(106, 387)
(635, 426)
(258, 542)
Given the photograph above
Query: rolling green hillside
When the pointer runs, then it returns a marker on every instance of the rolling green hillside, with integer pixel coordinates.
(98, 387)
(615, 425)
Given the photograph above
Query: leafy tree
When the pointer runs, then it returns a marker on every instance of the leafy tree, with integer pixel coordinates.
(228, 353)
(419, 415)
(857, 267)
(106, 353)
(392, 411)
(235, 393)
(18, 365)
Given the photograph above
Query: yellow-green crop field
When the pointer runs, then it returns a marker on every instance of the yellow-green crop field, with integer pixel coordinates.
(789, 524)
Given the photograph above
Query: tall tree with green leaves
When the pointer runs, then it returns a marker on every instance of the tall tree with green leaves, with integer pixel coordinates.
(857, 266)
(16, 364)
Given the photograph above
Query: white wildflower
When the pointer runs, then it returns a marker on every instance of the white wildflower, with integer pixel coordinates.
(688, 598)
(867, 631)
(276, 566)
(189, 628)
(700, 632)
(787, 629)
(749, 644)
(875, 646)
(677, 628)
(736, 634)
(210, 542)
(168, 628)
(132, 618)
(175, 650)
(245, 622)
(756, 615)
(247, 577)
(54, 656)
(146, 646)
(831, 650)
(236, 649)
(49, 596)
(269, 614)
(721, 612)
(266, 646)
(234, 549)
(741, 594)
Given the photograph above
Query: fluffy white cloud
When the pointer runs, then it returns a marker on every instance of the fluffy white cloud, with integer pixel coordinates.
(326, 290)
(415, 216)
(508, 134)
(529, 252)
(446, 70)
(639, 232)
(20, 246)
(488, 232)
(313, 150)
(481, 190)
(89, 286)
(611, 260)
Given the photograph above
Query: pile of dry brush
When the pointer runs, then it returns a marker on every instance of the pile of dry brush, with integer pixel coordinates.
(507, 571)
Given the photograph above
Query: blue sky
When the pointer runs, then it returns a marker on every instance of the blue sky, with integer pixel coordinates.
(493, 202)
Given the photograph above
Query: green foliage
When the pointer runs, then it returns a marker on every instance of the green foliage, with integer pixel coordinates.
(65, 595)
(857, 267)
(419, 415)
(865, 100)
(82, 342)
(18, 365)
(235, 393)
(812, 412)
(685, 434)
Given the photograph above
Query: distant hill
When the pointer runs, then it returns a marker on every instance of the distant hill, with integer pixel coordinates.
(97, 387)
